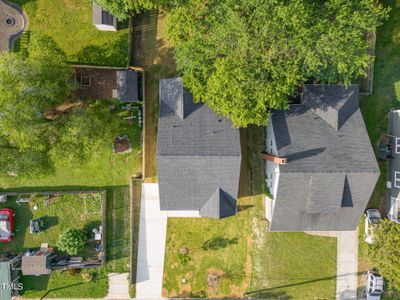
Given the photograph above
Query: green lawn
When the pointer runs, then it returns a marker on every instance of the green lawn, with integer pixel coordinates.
(220, 246)
(296, 265)
(69, 23)
(63, 284)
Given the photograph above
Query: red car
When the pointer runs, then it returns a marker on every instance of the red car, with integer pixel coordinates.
(6, 224)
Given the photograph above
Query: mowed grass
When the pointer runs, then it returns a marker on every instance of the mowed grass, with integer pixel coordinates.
(215, 246)
(296, 266)
(64, 284)
(69, 23)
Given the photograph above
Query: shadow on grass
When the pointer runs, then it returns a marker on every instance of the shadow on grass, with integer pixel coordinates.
(68, 286)
(218, 242)
(273, 292)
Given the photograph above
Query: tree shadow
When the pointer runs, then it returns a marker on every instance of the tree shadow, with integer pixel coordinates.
(34, 283)
(49, 221)
(219, 242)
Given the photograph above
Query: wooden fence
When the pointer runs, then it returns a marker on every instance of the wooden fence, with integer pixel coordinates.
(367, 83)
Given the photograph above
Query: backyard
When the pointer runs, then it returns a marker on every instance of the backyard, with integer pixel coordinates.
(69, 23)
(58, 212)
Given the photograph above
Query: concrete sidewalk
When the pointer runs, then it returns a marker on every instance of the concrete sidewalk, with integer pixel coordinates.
(347, 265)
(152, 236)
(118, 286)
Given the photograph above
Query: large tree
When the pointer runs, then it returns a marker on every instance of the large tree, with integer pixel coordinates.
(245, 57)
(385, 252)
(29, 87)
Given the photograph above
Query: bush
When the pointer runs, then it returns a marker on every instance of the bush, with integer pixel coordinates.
(71, 241)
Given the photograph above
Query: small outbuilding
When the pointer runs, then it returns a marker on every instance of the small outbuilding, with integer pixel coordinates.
(108, 83)
(37, 263)
(103, 20)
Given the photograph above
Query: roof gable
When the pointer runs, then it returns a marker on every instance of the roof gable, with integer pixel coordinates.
(220, 205)
(175, 98)
(332, 103)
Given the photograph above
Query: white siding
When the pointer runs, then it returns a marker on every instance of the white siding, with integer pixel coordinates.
(183, 214)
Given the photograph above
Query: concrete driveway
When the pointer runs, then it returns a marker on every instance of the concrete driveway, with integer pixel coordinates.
(152, 237)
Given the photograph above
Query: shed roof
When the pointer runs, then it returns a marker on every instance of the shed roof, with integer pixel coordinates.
(102, 17)
(127, 85)
(198, 152)
(38, 264)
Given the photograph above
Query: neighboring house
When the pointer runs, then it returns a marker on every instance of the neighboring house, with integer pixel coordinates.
(321, 169)
(108, 83)
(103, 20)
(198, 156)
(393, 176)
(9, 277)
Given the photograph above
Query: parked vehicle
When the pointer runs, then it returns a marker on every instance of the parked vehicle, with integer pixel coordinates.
(6, 224)
(372, 217)
(373, 286)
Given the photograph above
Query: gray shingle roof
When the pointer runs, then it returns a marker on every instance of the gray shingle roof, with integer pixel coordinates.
(331, 170)
(220, 205)
(198, 151)
(127, 86)
(35, 265)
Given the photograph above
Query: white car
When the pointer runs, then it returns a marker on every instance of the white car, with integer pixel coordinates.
(373, 286)
(372, 217)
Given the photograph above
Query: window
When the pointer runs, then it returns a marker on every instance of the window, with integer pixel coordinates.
(397, 145)
(86, 81)
(397, 179)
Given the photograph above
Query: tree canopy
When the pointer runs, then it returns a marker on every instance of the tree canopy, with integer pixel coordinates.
(243, 58)
(385, 251)
(122, 9)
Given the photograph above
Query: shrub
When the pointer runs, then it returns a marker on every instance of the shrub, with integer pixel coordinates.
(71, 241)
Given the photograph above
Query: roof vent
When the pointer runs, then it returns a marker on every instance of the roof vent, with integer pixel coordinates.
(275, 159)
